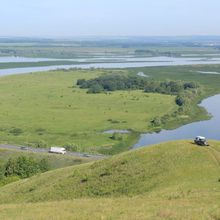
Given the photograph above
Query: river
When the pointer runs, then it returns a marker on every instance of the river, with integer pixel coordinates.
(104, 63)
(209, 128)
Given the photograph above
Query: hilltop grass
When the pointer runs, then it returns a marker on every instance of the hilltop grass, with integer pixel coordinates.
(175, 180)
(169, 171)
(116, 208)
(44, 109)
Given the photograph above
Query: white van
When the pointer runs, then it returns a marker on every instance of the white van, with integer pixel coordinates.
(57, 150)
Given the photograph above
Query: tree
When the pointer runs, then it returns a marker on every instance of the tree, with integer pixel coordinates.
(95, 88)
(156, 122)
(180, 100)
(24, 166)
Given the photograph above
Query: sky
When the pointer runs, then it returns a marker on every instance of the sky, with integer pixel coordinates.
(72, 18)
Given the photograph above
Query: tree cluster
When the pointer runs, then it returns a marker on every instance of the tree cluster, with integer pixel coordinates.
(112, 83)
(185, 91)
(24, 167)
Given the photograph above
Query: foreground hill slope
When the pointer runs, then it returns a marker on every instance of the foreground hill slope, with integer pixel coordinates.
(169, 170)
(137, 208)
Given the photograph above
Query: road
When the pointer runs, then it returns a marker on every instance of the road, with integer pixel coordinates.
(45, 150)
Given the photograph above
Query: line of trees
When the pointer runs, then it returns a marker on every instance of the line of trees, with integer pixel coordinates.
(112, 83)
(185, 91)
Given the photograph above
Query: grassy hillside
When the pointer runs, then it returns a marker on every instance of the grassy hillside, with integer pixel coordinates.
(174, 170)
(139, 208)
(176, 180)
(44, 109)
(53, 162)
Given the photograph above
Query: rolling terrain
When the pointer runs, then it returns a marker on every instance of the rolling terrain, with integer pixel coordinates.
(174, 180)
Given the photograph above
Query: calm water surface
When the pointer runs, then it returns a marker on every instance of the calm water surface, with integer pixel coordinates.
(209, 128)
(119, 63)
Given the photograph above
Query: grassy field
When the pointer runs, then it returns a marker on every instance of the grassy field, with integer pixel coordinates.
(187, 73)
(175, 180)
(35, 64)
(59, 51)
(209, 82)
(120, 208)
(45, 109)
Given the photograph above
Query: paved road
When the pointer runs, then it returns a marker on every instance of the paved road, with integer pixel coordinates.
(45, 150)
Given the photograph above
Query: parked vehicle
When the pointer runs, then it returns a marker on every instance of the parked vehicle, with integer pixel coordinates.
(23, 148)
(199, 140)
(57, 150)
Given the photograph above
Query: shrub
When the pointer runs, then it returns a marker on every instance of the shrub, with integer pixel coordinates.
(156, 122)
(180, 100)
(71, 147)
(38, 144)
(24, 166)
(95, 88)
(16, 131)
(116, 136)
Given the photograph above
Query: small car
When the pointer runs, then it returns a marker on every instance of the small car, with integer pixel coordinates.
(199, 140)
(24, 148)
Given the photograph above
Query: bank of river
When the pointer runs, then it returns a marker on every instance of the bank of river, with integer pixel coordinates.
(107, 63)
(209, 128)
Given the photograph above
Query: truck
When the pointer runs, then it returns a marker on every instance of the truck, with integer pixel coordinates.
(199, 140)
(57, 150)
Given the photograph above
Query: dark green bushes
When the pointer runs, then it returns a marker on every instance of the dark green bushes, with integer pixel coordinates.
(24, 167)
(16, 131)
(170, 87)
(112, 83)
(185, 91)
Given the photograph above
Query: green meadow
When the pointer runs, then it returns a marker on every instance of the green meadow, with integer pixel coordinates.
(45, 109)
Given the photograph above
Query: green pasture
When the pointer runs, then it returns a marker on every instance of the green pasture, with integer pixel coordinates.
(46, 109)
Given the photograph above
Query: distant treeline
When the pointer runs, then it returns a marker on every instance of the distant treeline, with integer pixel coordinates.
(184, 91)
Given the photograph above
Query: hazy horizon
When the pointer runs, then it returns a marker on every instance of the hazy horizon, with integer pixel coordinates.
(68, 19)
(107, 36)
